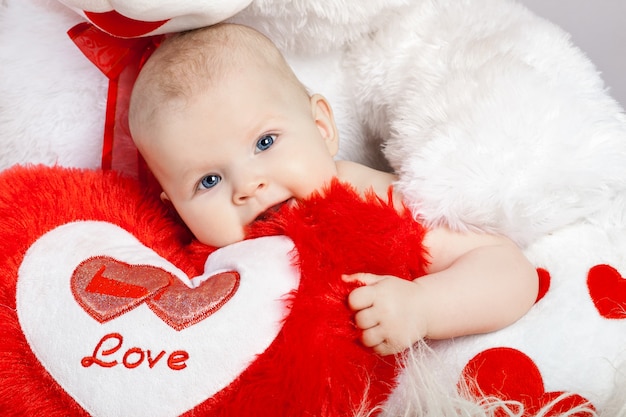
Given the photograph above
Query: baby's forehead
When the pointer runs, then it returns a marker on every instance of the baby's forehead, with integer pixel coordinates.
(195, 62)
(207, 64)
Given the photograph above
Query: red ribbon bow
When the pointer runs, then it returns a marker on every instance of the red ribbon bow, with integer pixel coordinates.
(120, 59)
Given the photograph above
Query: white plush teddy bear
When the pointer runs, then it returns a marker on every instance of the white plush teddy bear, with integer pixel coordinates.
(492, 119)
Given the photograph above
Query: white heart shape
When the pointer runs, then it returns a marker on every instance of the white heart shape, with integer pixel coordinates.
(62, 335)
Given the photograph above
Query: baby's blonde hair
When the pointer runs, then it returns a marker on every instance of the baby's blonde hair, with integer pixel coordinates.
(189, 63)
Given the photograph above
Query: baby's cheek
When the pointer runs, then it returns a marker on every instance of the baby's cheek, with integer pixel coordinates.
(219, 233)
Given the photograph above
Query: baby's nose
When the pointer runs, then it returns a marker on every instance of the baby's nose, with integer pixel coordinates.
(248, 189)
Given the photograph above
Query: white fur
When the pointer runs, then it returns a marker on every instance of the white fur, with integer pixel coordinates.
(492, 118)
(52, 99)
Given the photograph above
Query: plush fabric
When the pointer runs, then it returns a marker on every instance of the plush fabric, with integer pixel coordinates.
(492, 118)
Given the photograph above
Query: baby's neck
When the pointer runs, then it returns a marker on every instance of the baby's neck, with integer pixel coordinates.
(365, 179)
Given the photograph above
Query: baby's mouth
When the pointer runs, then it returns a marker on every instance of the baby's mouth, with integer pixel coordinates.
(267, 213)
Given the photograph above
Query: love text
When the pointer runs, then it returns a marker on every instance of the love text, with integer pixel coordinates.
(109, 352)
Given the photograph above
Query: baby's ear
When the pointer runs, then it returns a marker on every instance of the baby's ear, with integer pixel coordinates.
(325, 121)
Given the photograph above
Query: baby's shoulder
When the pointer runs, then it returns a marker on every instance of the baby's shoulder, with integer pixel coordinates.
(366, 179)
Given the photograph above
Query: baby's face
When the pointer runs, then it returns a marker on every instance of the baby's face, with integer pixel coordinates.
(247, 147)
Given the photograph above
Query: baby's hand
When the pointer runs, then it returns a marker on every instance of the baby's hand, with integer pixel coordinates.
(391, 311)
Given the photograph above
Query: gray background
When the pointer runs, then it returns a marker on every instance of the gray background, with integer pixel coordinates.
(598, 27)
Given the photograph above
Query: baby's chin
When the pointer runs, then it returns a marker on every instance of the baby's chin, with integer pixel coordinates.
(265, 224)
(220, 240)
(220, 243)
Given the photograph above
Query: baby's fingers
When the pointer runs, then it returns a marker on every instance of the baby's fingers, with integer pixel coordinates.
(377, 339)
(366, 319)
(361, 298)
(362, 277)
(372, 338)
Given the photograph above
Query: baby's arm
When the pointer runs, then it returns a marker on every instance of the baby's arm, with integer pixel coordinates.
(476, 283)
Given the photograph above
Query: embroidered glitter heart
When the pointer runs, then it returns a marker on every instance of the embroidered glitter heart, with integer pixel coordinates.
(107, 288)
(509, 374)
(607, 289)
(180, 306)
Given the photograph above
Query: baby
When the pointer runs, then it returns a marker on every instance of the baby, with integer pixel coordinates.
(231, 134)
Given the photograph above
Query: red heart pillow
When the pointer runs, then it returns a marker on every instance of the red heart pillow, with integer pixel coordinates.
(99, 315)
(507, 373)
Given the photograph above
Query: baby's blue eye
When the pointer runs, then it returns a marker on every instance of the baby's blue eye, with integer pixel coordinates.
(265, 142)
(209, 181)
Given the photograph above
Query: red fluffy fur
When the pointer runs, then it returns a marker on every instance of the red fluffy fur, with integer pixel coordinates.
(316, 365)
